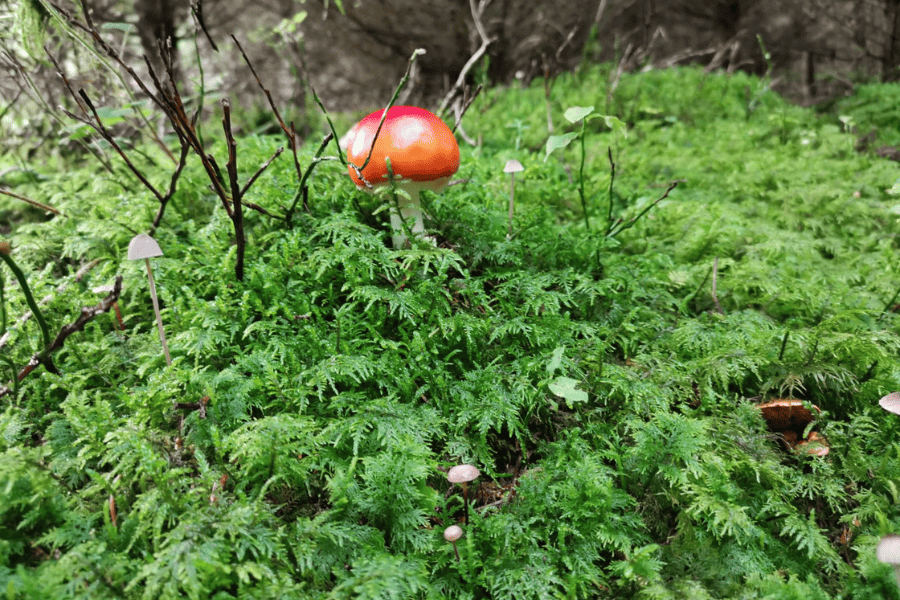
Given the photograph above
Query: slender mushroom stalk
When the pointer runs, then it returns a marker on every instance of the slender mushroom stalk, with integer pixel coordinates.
(451, 534)
(142, 246)
(888, 551)
(463, 474)
(512, 167)
(422, 152)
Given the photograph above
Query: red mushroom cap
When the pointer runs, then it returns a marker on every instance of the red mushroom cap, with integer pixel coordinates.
(421, 147)
(783, 414)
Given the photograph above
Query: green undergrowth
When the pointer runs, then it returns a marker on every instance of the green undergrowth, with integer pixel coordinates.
(297, 446)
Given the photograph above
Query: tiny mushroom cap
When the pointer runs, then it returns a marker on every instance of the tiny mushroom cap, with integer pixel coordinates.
(888, 549)
(453, 533)
(462, 474)
(513, 166)
(891, 403)
(787, 413)
(143, 246)
(815, 445)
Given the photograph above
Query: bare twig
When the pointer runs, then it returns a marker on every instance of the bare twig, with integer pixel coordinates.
(197, 9)
(87, 314)
(715, 279)
(461, 108)
(259, 172)
(237, 212)
(31, 202)
(633, 220)
(485, 42)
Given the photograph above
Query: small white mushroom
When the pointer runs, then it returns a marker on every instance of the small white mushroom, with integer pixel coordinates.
(888, 551)
(512, 167)
(451, 534)
(891, 403)
(142, 246)
(463, 474)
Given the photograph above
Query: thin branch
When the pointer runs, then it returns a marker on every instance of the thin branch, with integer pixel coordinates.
(237, 213)
(634, 220)
(31, 202)
(87, 314)
(197, 9)
(466, 103)
(715, 280)
(79, 275)
(485, 42)
(260, 170)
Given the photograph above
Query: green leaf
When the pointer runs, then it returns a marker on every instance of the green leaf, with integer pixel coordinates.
(120, 26)
(576, 113)
(556, 142)
(616, 125)
(564, 387)
(555, 359)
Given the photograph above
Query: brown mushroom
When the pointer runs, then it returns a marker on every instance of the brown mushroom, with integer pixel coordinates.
(463, 474)
(891, 403)
(814, 445)
(783, 414)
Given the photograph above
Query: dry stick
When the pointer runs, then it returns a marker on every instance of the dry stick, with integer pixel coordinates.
(96, 152)
(384, 114)
(87, 313)
(101, 129)
(173, 182)
(89, 28)
(292, 138)
(31, 202)
(612, 179)
(715, 279)
(231, 167)
(467, 102)
(85, 104)
(629, 224)
(4, 339)
(197, 9)
(290, 133)
(485, 42)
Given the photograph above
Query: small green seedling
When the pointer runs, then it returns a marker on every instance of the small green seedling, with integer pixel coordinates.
(557, 142)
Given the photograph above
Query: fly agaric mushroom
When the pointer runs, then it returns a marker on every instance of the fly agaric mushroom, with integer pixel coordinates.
(463, 474)
(451, 534)
(423, 155)
(891, 403)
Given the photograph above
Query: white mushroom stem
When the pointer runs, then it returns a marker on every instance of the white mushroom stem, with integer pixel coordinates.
(409, 209)
(159, 325)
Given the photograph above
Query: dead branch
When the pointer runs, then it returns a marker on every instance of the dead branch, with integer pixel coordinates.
(237, 211)
(79, 275)
(485, 42)
(87, 314)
